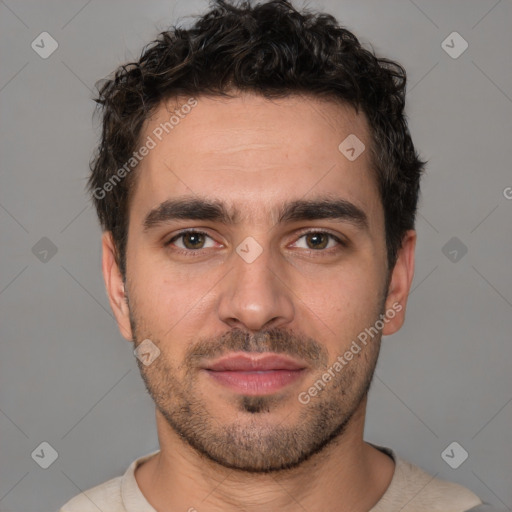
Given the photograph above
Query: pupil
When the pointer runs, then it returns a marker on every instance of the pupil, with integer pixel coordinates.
(190, 238)
(317, 237)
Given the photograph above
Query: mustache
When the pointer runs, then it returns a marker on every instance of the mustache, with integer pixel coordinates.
(275, 340)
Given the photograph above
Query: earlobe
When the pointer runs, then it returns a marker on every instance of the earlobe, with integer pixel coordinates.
(115, 286)
(400, 284)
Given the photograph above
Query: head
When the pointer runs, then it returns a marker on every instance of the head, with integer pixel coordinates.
(257, 187)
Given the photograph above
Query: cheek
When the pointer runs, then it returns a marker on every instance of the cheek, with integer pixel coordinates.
(168, 304)
(341, 292)
(341, 307)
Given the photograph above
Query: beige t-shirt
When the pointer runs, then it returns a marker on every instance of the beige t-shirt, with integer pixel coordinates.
(410, 490)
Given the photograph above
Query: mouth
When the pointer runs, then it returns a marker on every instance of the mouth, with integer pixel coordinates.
(255, 374)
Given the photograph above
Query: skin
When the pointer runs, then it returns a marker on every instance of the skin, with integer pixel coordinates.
(254, 154)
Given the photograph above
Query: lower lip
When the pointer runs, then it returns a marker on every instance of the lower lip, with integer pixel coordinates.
(256, 382)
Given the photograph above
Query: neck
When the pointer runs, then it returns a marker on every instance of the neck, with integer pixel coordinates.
(347, 475)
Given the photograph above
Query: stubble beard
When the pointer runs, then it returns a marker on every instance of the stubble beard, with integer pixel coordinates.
(255, 443)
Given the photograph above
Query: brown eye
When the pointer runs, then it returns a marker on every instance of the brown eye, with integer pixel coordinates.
(317, 240)
(193, 240)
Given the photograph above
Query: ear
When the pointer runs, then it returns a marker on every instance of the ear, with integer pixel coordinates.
(400, 284)
(115, 286)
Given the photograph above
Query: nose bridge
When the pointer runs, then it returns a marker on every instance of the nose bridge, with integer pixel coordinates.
(254, 295)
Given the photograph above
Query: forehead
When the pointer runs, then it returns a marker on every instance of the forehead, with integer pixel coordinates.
(252, 153)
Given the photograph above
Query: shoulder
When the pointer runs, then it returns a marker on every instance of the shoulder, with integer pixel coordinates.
(414, 490)
(105, 497)
(115, 495)
(436, 494)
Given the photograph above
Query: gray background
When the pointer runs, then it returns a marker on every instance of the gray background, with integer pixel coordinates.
(68, 378)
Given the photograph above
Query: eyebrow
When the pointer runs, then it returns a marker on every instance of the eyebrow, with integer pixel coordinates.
(299, 210)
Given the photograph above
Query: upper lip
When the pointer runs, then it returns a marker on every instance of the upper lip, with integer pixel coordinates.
(254, 362)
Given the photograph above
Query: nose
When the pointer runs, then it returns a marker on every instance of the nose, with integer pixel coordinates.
(255, 295)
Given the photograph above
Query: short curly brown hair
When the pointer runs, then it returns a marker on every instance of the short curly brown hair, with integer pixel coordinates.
(273, 50)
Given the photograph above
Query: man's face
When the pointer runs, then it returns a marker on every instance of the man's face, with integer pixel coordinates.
(298, 280)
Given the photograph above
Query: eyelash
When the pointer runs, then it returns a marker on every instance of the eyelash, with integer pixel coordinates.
(197, 252)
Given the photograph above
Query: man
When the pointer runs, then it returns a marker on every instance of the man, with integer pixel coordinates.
(257, 186)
